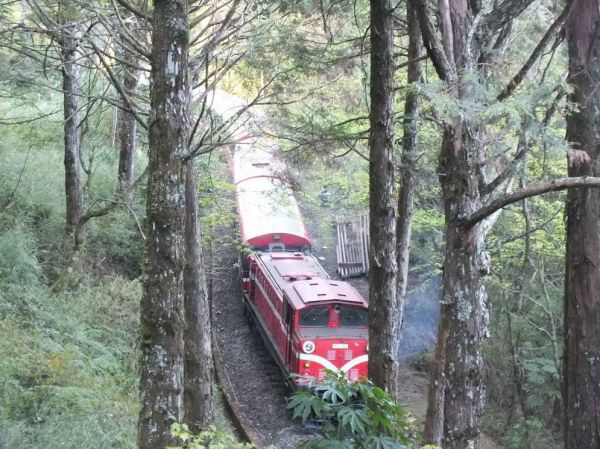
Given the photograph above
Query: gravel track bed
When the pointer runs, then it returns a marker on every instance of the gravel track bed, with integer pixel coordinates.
(255, 382)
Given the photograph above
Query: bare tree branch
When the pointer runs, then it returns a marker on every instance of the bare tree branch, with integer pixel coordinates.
(111, 205)
(537, 52)
(131, 107)
(504, 14)
(433, 44)
(534, 190)
(139, 13)
(522, 148)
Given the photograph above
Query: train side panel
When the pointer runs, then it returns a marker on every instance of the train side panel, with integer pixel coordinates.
(266, 306)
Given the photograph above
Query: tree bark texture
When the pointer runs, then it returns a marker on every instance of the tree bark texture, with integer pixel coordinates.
(409, 149)
(126, 122)
(162, 306)
(72, 161)
(582, 281)
(384, 310)
(456, 391)
(197, 336)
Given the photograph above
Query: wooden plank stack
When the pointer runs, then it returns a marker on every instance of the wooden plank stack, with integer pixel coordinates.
(352, 248)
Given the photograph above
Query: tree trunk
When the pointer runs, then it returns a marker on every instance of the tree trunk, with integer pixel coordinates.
(384, 310)
(70, 73)
(126, 123)
(409, 149)
(582, 281)
(162, 307)
(198, 347)
(456, 392)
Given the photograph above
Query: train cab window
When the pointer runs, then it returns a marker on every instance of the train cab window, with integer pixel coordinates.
(288, 313)
(317, 316)
(353, 316)
(277, 247)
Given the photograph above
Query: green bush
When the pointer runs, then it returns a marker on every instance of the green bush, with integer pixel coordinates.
(114, 243)
(531, 433)
(18, 262)
(355, 415)
(212, 438)
(68, 366)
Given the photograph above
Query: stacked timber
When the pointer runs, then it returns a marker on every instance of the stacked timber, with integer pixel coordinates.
(352, 248)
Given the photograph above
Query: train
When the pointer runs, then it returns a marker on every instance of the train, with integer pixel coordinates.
(310, 322)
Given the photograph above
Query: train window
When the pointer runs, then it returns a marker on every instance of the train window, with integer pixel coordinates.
(317, 316)
(353, 316)
(288, 313)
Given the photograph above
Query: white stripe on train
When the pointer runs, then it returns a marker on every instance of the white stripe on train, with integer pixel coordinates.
(330, 366)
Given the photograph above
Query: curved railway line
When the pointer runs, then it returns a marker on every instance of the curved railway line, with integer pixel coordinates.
(251, 382)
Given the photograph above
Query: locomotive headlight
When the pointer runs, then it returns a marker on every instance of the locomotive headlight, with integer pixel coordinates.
(308, 346)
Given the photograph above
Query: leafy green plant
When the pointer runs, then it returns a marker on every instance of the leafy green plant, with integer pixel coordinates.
(355, 415)
(68, 365)
(531, 433)
(18, 261)
(212, 438)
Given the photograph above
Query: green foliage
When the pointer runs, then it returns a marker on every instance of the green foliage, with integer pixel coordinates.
(216, 202)
(68, 366)
(533, 434)
(346, 179)
(538, 368)
(68, 360)
(115, 242)
(354, 415)
(18, 263)
(212, 438)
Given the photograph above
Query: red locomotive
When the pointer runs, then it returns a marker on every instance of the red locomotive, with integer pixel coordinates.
(310, 322)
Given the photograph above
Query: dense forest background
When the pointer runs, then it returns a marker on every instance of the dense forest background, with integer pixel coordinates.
(75, 88)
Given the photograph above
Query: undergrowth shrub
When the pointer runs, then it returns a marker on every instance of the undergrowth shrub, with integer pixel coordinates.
(354, 415)
(116, 244)
(68, 357)
(68, 366)
(18, 262)
(212, 438)
(521, 433)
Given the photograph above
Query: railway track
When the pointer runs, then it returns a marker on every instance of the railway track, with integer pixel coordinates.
(251, 382)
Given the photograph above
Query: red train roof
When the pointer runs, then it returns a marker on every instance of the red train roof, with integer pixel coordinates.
(286, 267)
(268, 213)
(304, 280)
(267, 208)
(304, 293)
